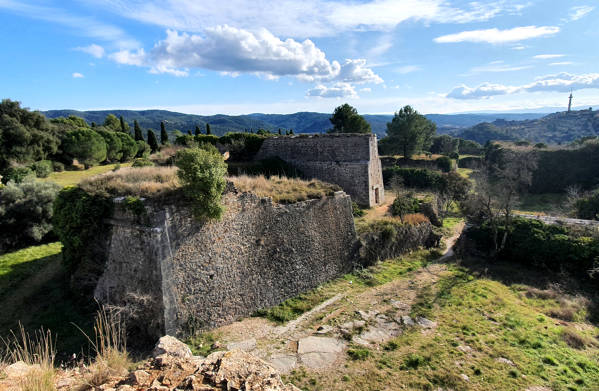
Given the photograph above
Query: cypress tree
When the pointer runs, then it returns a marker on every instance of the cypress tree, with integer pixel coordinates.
(93, 124)
(208, 129)
(198, 130)
(138, 134)
(279, 131)
(290, 131)
(152, 141)
(163, 134)
(189, 132)
(122, 120)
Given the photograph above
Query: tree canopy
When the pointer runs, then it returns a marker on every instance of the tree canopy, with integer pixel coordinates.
(345, 119)
(408, 132)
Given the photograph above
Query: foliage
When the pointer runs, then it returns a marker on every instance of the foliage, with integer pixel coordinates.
(485, 132)
(85, 145)
(77, 220)
(25, 136)
(25, 213)
(588, 207)
(163, 134)
(421, 178)
(113, 123)
(408, 132)
(208, 131)
(17, 174)
(139, 182)
(444, 163)
(284, 190)
(444, 145)
(356, 210)
(202, 174)
(470, 162)
(114, 145)
(128, 146)
(152, 141)
(143, 149)
(242, 146)
(73, 177)
(207, 139)
(404, 204)
(141, 162)
(57, 166)
(345, 119)
(137, 132)
(469, 147)
(267, 167)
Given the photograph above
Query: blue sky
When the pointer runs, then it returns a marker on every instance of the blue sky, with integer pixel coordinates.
(236, 57)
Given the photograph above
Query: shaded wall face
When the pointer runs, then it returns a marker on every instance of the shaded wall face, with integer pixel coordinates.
(187, 275)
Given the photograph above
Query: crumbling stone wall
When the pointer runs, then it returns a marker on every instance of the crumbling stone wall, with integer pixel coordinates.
(173, 275)
(348, 160)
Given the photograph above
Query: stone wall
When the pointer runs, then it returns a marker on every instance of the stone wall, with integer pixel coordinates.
(174, 275)
(348, 160)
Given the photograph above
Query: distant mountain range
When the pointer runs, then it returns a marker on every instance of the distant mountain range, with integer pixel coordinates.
(302, 122)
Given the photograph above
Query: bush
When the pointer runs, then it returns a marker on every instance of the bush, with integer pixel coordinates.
(57, 166)
(42, 169)
(454, 155)
(206, 138)
(142, 163)
(128, 145)
(114, 145)
(588, 208)
(356, 210)
(470, 162)
(26, 213)
(444, 163)
(85, 145)
(202, 174)
(78, 219)
(143, 149)
(243, 146)
(405, 204)
(421, 178)
(17, 174)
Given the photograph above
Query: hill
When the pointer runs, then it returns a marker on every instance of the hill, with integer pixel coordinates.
(556, 128)
(301, 122)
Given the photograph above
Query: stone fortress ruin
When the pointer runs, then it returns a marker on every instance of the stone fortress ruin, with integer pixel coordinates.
(347, 159)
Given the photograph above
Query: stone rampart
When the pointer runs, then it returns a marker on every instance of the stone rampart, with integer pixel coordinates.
(174, 275)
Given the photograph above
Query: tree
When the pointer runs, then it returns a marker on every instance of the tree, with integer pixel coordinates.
(143, 149)
(198, 131)
(345, 119)
(291, 131)
(208, 129)
(85, 145)
(114, 146)
(163, 134)
(113, 123)
(451, 188)
(444, 145)
(190, 133)
(124, 126)
(138, 134)
(409, 132)
(202, 173)
(129, 146)
(152, 141)
(279, 131)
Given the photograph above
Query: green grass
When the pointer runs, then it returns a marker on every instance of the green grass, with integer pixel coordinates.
(465, 172)
(69, 178)
(544, 203)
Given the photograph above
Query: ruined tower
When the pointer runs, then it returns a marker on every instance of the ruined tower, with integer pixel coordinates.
(570, 102)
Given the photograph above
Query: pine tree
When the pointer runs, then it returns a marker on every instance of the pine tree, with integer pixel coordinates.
(138, 134)
(122, 121)
(189, 132)
(279, 131)
(152, 141)
(163, 134)
(93, 124)
(208, 129)
(198, 130)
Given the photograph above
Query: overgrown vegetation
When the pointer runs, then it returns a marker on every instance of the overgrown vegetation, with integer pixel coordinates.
(135, 182)
(284, 190)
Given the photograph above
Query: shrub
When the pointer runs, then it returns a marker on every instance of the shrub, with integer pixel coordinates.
(128, 145)
(143, 149)
(142, 163)
(356, 210)
(202, 174)
(207, 138)
(57, 166)
(114, 145)
(42, 169)
(414, 177)
(78, 219)
(540, 145)
(26, 213)
(444, 163)
(358, 353)
(404, 204)
(454, 155)
(85, 145)
(243, 146)
(588, 208)
(17, 174)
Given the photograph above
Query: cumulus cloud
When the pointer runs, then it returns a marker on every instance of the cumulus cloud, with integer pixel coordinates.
(580, 12)
(77, 75)
(547, 56)
(337, 90)
(233, 51)
(561, 82)
(497, 36)
(95, 50)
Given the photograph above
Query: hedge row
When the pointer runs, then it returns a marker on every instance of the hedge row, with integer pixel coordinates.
(421, 178)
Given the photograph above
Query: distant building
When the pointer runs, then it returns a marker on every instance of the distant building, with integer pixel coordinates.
(570, 103)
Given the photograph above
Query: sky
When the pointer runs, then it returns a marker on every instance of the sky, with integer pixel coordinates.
(239, 57)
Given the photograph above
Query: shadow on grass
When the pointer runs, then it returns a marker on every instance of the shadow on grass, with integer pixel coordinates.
(36, 294)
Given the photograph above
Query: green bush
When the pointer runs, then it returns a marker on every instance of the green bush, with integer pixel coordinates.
(114, 145)
(143, 149)
(128, 145)
(26, 213)
(588, 208)
(206, 138)
(17, 174)
(142, 162)
(42, 169)
(444, 163)
(85, 145)
(356, 210)
(358, 353)
(246, 145)
(202, 174)
(470, 162)
(57, 166)
(421, 178)
(405, 204)
(77, 220)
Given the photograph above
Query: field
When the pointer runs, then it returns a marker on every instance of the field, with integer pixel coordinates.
(68, 178)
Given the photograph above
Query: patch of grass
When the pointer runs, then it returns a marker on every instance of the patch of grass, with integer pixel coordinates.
(541, 203)
(202, 344)
(138, 182)
(70, 178)
(358, 353)
(282, 189)
(465, 172)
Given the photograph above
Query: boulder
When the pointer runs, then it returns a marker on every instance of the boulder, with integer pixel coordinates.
(171, 346)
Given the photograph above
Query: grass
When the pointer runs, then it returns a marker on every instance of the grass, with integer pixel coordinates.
(140, 182)
(547, 203)
(465, 172)
(282, 189)
(70, 178)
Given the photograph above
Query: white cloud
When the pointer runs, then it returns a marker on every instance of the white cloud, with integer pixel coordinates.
(366, 89)
(580, 11)
(305, 18)
(95, 50)
(497, 36)
(337, 90)
(499, 66)
(561, 82)
(77, 75)
(232, 51)
(561, 63)
(408, 69)
(547, 56)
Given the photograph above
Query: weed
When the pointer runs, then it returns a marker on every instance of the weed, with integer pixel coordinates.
(574, 339)
(202, 344)
(413, 361)
(358, 353)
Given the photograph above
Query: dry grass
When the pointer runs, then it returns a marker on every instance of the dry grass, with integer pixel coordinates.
(110, 346)
(283, 189)
(576, 340)
(38, 351)
(166, 155)
(140, 182)
(415, 219)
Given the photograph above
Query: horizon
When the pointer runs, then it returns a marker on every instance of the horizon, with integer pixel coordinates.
(439, 56)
